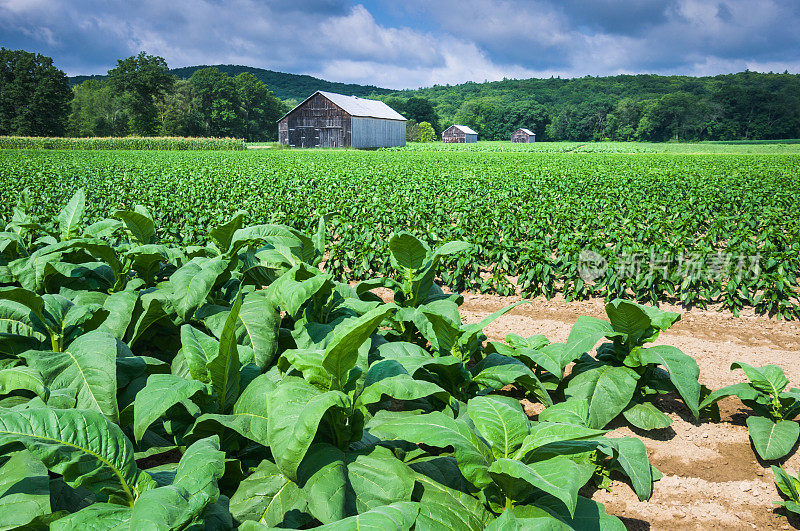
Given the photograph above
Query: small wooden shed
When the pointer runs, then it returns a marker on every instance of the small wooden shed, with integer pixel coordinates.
(523, 136)
(459, 134)
(327, 119)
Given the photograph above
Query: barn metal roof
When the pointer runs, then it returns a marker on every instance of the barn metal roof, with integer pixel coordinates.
(355, 106)
(526, 131)
(465, 129)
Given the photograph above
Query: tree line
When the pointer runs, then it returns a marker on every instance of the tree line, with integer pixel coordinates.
(743, 106)
(138, 97)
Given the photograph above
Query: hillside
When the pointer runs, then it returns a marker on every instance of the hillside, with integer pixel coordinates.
(284, 86)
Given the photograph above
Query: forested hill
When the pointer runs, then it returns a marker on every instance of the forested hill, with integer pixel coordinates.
(746, 105)
(284, 86)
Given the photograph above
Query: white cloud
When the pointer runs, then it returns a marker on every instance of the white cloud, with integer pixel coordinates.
(448, 41)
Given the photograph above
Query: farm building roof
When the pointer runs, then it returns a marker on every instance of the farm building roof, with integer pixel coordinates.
(355, 106)
(465, 129)
(526, 131)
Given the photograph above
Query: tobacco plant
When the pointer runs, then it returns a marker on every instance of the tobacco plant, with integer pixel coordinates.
(772, 426)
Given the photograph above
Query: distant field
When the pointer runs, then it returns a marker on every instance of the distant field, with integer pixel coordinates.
(531, 215)
(741, 147)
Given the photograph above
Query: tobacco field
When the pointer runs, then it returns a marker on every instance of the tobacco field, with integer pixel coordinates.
(227, 378)
(719, 230)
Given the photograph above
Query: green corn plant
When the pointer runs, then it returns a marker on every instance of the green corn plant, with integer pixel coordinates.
(772, 426)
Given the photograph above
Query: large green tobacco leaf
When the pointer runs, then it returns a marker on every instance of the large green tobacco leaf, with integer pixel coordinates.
(222, 235)
(120, 308)
(683, 372)
(23, 378)
(88, 365)
(339, 484)
(296, 409)
(630, 319)
(607, 389)
(260, 321)
(138, 224)
(589, 515)
(96, 517)
(24, 490)
(790, 487)
(342, 351)
(496, 371)
(407, 251)
(631, 455)
(224, 368)
(768, 379)
(772, 440)
(268, 497)
(161, 393)
(546, 432)
(645, 416)
(69, 219)
(559, 477)
(442, 507)
(399, 516)
(534, 519)
(193, 488)
(83, 446)
(585, 334)
(198, 350)
(388, 377)
(437, 429)
(501, 421)
(192, 283)
(249, 417)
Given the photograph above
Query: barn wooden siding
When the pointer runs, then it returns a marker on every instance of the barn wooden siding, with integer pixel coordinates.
(454, 135)
(521, 136)
(316, 123)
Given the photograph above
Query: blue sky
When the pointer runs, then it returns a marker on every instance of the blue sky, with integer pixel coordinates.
(415, 42)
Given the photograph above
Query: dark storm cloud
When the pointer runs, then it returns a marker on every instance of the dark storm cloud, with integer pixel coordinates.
(417, 42)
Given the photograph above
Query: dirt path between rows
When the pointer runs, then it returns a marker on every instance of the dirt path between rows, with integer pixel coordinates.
(712, 479)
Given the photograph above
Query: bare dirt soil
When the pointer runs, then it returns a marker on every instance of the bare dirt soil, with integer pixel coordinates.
(712, 477)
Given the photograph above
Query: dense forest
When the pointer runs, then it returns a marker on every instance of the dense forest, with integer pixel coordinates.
(743, 106)
(142, 96)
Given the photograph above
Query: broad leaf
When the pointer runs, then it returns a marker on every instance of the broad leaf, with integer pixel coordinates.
(683, 372)
(83, 446)
(88, 365)
(772, 440)
(24, 490)
(69, 219)
(607, 389)
(501, 421)
(296, 408)
(161, 393)
(268, 497)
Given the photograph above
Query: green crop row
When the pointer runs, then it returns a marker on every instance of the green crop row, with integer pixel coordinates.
(129, 143)
(696, 230)
(754, 147)
(234, 384)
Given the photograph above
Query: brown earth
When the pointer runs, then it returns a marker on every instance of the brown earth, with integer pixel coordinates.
(712, 478)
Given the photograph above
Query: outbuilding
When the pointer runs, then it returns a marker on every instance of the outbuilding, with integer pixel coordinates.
(327, 119)
(459, 134)
(523, 136)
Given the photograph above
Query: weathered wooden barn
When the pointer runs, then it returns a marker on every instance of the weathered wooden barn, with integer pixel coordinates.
(326, 119)
(459, 134)
(523, 136)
